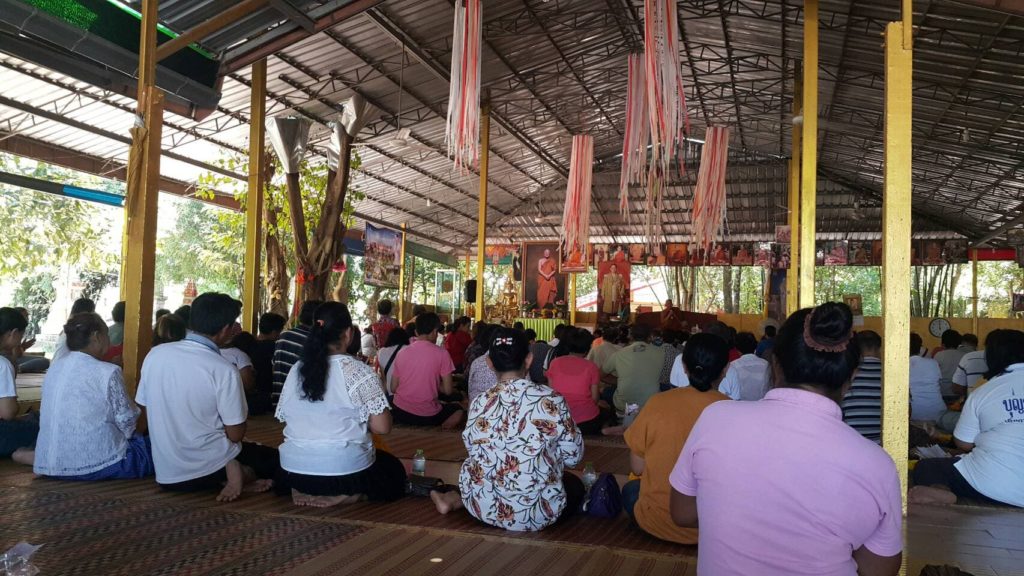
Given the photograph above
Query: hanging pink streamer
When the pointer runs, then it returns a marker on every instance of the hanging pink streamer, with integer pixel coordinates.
(709, 193)
(576, 216)
(462, 133)
(634, 144)
(666, 98)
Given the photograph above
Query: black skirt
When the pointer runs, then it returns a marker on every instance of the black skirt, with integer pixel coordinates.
(383, 481)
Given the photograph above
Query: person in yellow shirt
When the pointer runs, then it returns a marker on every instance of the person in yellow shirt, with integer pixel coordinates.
(659, 432)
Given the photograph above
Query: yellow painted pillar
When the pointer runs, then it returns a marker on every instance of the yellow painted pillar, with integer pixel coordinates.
(896, 226)
(792, 275)
(401, 281)
(142, 194)
(572, 299)
(481, 225)
(974, 291)
(809, 153)
(254, 199)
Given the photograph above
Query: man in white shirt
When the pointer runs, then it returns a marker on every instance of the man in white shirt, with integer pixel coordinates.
(925, 395)
(197, 412)
(971, 369)
(949, 358)
(748, 376)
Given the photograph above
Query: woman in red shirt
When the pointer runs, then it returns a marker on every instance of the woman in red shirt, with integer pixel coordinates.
(577, 379)
(457, 340)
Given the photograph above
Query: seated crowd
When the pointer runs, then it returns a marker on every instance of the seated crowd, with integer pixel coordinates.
(749, 440)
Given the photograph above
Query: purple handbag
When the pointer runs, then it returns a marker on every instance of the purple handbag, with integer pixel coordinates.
(605, 498)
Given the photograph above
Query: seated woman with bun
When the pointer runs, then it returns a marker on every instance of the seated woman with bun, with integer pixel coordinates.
(330, 403)
(782, 486)
(87, 421)
(520, 438)
(657, 436)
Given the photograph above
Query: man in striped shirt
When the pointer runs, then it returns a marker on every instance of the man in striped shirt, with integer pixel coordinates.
(862, 405)
(972, 368)
(288, 349)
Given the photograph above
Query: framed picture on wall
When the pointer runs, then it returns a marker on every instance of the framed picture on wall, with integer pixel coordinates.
(542, 283)
(677, 254)
(860, 253)
(742, 253)
(720, 255)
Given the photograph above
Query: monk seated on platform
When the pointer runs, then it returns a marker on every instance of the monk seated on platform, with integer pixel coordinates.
(15, 433)
(87, 421)
(520, 438)
(330, 404)
(196, 409)
(422, 380)
(990, 432)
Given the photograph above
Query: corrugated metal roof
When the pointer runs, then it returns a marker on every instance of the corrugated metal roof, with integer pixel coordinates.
(557, 68)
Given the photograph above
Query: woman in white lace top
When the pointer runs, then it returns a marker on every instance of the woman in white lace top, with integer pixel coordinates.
(330, 404)
(87, 422)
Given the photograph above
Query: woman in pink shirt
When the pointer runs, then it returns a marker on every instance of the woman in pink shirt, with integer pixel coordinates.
(577, 379)
(782, 486)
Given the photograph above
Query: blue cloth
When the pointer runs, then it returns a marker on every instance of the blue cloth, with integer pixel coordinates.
(630, 496)
(137, 463)
(18, 433)
(764, 346)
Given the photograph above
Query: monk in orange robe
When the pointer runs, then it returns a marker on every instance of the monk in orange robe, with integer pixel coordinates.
(547, 287)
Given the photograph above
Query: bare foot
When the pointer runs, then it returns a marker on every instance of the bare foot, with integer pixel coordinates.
(233, 487)
(613, 430)
(445, 502)
(257, 486)
(453, 421)
(300, 499)
(25, 456)
(930, 495)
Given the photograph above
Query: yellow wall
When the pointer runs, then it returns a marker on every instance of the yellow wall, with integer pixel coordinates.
(752, 323)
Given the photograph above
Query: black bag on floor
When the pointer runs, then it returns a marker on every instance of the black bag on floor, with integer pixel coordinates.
(423, 485)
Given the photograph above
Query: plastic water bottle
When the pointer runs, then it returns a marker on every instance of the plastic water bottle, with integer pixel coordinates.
(419, 464)
(589, 475)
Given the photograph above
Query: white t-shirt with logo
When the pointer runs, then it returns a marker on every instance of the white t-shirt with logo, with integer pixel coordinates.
(993, 420)
(190, 393)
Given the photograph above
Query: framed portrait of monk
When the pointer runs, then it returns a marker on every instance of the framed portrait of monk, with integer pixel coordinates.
(542, 282)
(612, 289)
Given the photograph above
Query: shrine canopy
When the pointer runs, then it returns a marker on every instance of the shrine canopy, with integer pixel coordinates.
(552, 70)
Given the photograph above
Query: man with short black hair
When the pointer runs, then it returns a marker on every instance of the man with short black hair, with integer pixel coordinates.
(384, 324)
(262, 356)
(422, 380)
(288, 349)
(635, 371)
(767, 342)
(747, 377)
(196, 409)
(949, 358)
(862, 405)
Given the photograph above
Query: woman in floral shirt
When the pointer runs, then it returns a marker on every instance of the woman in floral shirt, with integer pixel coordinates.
(520, 438)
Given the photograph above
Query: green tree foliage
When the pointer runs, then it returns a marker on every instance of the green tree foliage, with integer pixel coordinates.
(47, 231)
(207, 246)
(36, 293)
(831, 283)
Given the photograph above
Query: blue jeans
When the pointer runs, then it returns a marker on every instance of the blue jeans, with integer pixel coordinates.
(18, 433)
(137, 463)
(630, 496)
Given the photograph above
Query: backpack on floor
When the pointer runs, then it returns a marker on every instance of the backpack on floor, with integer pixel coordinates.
(604, 499)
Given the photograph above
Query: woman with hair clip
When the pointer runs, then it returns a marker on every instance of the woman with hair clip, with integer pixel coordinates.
(330, 404)
(87, 421)
(520, 438)
(782, 486)
(657, 436)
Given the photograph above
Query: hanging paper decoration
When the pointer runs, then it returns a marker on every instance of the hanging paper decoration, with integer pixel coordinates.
(576, 217)
(463, 129)
(665, 97)
(634, 144)
(709, 193)
(656, 181)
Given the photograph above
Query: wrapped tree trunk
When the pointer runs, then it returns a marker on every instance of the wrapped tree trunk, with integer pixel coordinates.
(316, 256)
(276, 279)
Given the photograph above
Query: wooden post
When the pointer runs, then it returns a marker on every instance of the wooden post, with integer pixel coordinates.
(481, 225)
(792, 275)
(465, 304)
(254, 199)
(401, 281)
(809, 153)
(572, 299)
(896, 205)
(974, 291)
(142, 194)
